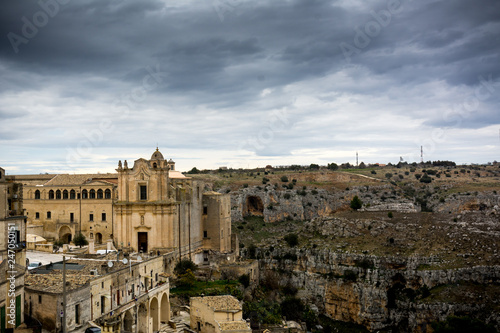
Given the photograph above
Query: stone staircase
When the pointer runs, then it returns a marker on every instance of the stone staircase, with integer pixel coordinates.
(178, 324)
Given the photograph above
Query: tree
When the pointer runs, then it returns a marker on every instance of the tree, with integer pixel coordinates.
(332, 166)
(186, 280)
(314, 167)
(356, 203)
(284, 179)
(193, 171)
(425, 179)
(80, 240)
(345, 165)
(183, 266)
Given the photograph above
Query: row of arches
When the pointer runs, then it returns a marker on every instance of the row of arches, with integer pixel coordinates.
(66, 235)
(158, 309)
(72, 194)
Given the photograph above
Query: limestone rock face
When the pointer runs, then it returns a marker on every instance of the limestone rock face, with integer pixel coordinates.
(376, 295)
(306, 204)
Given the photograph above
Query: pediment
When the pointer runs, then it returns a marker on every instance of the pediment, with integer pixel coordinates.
(142, 228)
(141, 170)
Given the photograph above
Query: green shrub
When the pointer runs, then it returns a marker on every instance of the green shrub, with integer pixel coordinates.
(425, 179)
(80, 240)
(287, 196)
(356, 203)
(390, 215)
(184, 265)
(302, 192)
(284, 179)
(186, 280)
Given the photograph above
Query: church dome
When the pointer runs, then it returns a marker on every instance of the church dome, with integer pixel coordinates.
(157, 155)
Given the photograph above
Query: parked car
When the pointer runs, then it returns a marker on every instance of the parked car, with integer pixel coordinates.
(93, 330)
(34, 264)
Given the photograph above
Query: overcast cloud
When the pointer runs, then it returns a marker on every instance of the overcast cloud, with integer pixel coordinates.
(240, 83)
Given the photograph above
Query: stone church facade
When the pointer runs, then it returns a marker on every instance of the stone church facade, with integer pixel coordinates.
(147, 207)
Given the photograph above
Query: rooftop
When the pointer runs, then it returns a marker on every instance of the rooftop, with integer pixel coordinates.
(233, 325)
(220, 303)
(78, 273)
(81, 179)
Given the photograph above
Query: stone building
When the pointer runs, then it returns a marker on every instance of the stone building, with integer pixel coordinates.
(12, 254)
(149, 207)
(216, 221)
(160, 209)
(111, 294)
(64, 205)
(217, 314)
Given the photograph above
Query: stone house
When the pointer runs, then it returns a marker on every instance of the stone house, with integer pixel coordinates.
(216, 314)
(117, 296)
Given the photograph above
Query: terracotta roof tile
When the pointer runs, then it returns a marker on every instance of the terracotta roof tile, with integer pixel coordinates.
(221, 303)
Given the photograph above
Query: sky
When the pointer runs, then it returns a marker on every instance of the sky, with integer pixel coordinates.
(237, 83)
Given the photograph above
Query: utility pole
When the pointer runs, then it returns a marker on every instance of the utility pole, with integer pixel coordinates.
(356, 159)
(64, 296)
(421, 154)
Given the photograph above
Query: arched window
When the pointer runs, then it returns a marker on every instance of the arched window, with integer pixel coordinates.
(100, 194)
(65, 194)
(51, 194)
(37, 194)
(92, 194)
(85, 194)
(58, 194)
(72, 194)
(107, 194)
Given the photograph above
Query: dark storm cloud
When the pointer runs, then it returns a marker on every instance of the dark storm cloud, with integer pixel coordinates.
(208, 75)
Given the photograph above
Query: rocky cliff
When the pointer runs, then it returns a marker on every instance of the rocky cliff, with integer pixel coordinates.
(386, 292)
(302, 204)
